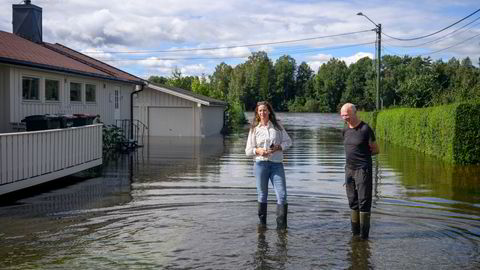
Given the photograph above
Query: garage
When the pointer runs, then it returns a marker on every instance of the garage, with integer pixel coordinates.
(168, 121)
(176, 112)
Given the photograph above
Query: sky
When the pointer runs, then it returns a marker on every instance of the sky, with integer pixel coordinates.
(155, 37)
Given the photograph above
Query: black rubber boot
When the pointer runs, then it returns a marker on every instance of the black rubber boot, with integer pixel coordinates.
(355, 221)
(282, 210)
(364, 224)
(262, 213)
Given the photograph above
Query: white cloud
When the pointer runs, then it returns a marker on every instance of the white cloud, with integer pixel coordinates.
(192, 70)
(354, 58)
(147, 25)
(316, 61)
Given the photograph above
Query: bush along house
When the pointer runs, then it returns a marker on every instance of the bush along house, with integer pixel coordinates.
(45, 89)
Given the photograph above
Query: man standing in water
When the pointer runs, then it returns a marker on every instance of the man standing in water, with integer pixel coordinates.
(360, 145)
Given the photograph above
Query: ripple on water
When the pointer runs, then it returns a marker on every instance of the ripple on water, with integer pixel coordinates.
(191, 204)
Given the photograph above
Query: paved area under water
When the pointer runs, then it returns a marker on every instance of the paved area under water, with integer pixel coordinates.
(184, 203)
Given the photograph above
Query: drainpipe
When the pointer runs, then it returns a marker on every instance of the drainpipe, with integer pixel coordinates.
(224, 127)
(138, 88)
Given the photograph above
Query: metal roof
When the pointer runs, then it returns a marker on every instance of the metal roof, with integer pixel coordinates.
(55, 57)
(186, 94)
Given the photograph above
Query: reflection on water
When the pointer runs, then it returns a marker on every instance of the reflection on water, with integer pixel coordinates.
(359, 254)
(271, 255)
(188, 203)
(428, 178)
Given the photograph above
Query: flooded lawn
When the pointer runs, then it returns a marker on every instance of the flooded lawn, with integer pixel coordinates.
(191, 204)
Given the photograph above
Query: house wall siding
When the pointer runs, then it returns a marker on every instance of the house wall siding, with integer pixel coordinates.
(103, 106)
(4, 98)
(152, 98)
(212, 120)
(207, 120)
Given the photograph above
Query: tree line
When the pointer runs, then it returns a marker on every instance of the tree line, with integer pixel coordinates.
(406, 82)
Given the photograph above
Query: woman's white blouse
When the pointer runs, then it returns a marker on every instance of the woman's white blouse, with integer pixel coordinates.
(264, 136)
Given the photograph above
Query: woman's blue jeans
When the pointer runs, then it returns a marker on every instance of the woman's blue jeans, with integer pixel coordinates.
(273, 171)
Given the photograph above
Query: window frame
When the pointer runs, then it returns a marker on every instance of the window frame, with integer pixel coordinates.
(38, 79)
(80, 95)
(94, 93)
(58, 91)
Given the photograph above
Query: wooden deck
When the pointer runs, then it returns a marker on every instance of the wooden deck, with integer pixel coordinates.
(32, 158)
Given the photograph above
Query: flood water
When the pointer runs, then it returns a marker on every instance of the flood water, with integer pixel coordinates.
(191, 204)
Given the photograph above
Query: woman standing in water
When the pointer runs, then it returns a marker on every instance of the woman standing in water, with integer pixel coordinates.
(267, 140)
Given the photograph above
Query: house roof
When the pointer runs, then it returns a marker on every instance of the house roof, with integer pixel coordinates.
(56, 57)
(188, 95)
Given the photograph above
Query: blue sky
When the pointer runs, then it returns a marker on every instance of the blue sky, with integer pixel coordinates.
(154, 37)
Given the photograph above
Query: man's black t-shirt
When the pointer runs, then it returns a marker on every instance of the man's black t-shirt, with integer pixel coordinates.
(357, 150)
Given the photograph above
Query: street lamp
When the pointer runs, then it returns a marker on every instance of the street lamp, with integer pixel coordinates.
(378, 30)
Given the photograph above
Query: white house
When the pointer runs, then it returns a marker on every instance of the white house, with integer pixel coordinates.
(38, 78)
(170, 111)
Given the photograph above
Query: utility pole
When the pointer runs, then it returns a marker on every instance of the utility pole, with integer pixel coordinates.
(378, 52)
(379, 61)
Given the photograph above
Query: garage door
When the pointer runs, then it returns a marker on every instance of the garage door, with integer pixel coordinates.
(165, 121)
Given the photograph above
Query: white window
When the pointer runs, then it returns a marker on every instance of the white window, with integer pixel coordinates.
(90, 92)
(52, 90)
(30, 88)
(75, 92)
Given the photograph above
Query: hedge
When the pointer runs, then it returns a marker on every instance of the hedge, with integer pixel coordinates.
(369, 117)
(450, 132)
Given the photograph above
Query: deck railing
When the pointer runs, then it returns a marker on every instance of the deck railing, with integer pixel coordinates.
(30, 158)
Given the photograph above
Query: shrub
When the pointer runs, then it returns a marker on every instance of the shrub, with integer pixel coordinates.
(235, 117)
(112, 137)
(368, 117)
(449, 132)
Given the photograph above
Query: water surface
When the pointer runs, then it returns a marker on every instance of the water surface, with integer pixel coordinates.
(185, 203)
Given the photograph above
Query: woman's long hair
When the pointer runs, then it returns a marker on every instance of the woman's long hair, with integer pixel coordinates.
(271, 115)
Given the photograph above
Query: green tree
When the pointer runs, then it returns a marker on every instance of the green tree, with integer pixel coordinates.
(285, 68)
(303, 86)
(201, 86)
(330, 84)
(418, 91)
(220, 80)
(158, 79)
(177, 80)
(259, 80)
(358, 75)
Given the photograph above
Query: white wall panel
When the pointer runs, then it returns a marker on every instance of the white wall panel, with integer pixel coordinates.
(103, 106)
(212, 120)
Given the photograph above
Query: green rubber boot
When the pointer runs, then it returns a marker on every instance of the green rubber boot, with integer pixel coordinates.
(355, 221)
(282, 210)
(262, 214)
(364, 224)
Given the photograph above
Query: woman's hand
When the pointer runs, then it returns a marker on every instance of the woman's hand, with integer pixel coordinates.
(275, 148)
(262, 152)
(266, 152)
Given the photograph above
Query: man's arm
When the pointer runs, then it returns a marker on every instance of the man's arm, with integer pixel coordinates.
(373, 148)
(372, 143)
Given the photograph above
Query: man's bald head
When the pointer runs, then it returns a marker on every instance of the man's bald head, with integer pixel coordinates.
(349, 114)
(349, 107)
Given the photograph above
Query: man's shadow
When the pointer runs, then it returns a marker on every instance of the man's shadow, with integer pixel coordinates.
(359, 254)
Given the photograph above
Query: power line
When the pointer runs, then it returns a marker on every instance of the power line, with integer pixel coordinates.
(389, 51)
(231, 47)
(443, 29)
(453, 33)
(461, 42)
(302, 51)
